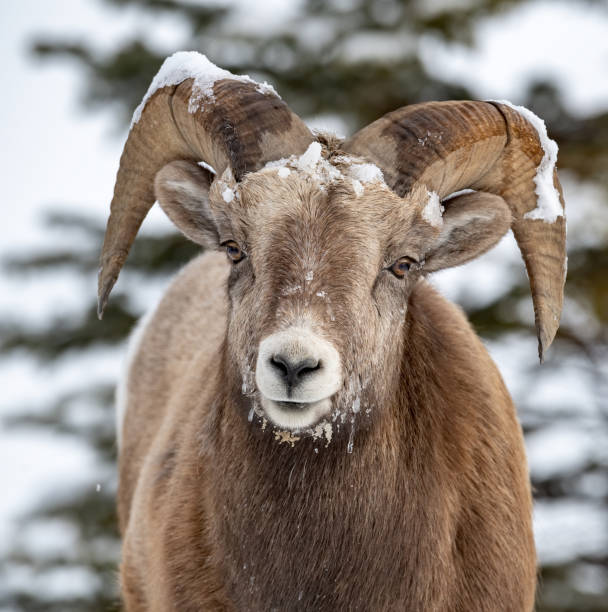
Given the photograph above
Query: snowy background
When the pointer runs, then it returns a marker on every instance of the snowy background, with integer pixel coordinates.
(74, 70)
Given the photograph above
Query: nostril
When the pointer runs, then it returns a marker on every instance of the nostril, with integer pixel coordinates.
(307, 367)
(280, 364)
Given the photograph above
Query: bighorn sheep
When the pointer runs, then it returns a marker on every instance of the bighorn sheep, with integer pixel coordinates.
(309, 425)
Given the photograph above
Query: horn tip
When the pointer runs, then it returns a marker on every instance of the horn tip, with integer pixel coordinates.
(545, 339)
(100, 309)
(106, 282)
(541, 351)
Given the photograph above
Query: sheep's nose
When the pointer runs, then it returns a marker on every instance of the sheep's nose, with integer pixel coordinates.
(293, 371)
(297, 366)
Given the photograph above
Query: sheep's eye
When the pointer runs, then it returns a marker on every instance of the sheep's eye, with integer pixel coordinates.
(401, 266)
(234, 251)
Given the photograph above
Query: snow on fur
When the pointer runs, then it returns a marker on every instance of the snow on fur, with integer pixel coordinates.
(308, 161)
(548, 205)
(313, 164)
(433, 211)
(357, 187)
(366, 173)
(228, 195)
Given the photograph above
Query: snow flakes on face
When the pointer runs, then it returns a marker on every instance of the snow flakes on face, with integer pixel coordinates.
(351, 437)
(228, 195)
(308, 161)
(248, 378)
(313, 165)
(357, 188)
(432, 213)
(227, 186)
(286, 437)
(366, 173)
(323, 429)
(361, 173)
(291, 290)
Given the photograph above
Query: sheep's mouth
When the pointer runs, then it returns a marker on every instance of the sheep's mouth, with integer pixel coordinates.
(294, 405)
(296, 415)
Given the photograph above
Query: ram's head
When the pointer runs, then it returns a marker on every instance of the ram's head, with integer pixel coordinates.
(326, 239)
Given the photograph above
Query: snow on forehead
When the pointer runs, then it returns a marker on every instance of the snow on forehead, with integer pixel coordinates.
(548, 204)
(313, 164)
(366, 173)
(185, 65)
(311, 157)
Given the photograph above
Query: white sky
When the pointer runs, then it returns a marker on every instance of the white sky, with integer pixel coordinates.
(566, 42)
(53, 153)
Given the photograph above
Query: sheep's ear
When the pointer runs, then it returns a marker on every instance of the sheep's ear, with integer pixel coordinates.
(182, 190)
(472, 224)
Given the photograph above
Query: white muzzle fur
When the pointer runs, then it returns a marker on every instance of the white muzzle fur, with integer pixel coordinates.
(297, 372)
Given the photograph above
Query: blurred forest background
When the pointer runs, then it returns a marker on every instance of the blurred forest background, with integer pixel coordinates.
(339, 64)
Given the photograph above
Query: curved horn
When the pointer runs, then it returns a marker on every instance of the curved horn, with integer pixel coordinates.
(486, 146)
(199, 112)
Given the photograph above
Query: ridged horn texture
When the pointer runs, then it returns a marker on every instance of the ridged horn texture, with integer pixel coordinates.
(236, 124)
(491, 147)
